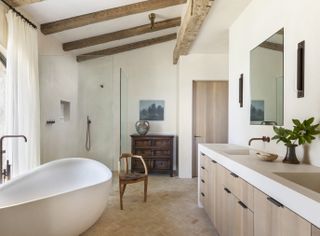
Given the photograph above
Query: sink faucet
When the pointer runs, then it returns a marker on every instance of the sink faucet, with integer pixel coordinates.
(6, 173)
(263, 139)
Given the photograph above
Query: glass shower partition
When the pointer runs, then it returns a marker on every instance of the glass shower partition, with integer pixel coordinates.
(124, 136)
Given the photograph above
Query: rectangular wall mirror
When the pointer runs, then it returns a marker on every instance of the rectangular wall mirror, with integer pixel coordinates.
(267, 81)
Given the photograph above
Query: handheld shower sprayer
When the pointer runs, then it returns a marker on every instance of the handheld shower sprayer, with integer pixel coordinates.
(88, 135)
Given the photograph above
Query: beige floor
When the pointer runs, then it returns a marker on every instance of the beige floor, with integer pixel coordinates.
(171, 210)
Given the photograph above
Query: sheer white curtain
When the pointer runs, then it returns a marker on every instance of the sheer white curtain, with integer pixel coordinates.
(22, 94)
(2, 93)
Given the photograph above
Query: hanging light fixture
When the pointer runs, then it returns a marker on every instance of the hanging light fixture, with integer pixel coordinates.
(152, 18)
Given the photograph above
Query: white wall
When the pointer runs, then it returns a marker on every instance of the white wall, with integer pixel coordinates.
(150, 74)
(96, 102)
(194, 67)
(259, 21)
(58, 76)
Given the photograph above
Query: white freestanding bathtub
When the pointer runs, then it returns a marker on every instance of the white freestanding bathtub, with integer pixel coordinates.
(60, 198)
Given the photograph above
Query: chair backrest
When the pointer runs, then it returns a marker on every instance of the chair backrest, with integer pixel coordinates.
(125, 159)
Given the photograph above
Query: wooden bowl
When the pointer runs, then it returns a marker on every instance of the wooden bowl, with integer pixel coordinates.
(266, 156)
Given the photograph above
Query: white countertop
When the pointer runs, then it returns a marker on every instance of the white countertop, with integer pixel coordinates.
(260, 174)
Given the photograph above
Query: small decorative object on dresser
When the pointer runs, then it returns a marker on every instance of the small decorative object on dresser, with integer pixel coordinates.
(142, 127)
(156, 150)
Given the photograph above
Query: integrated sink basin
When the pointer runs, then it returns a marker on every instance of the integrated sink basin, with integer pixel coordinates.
(237, 151)
(307, 180)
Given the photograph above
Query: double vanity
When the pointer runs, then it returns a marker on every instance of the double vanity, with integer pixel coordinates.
(244, 196)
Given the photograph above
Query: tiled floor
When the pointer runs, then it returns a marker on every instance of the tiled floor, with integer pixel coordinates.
(171, 210)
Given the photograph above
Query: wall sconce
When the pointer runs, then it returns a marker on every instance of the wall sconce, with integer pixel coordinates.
(300, 67)
(241, 90)
(152, 18)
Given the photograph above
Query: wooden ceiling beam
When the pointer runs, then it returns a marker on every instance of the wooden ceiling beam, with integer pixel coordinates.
(122, 34)
(18, 3)
(127, 47)
(108, 14)
(196, 13)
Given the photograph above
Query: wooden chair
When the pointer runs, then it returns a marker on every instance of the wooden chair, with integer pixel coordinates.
(128, 177)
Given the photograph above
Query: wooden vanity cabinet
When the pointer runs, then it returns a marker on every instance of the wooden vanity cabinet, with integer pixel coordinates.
(240, 188)
(204, 185)
(232, 216)
(208, 185)
(236, 208)
(272, 218)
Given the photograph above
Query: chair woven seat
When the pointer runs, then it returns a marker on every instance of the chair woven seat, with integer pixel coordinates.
(131, 176)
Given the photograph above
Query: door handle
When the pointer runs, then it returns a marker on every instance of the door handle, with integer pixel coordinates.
(197, 136)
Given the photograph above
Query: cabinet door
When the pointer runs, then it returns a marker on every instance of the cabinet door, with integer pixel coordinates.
(220, 210)
(267, 216)
(294, 225)
(315, 231)
(272, 218)
(243, 219)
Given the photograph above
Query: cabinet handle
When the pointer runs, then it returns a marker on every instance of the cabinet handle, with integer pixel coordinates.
(227, 190)
(234, 175)
(202, 181)
(213, 161)
(202, 194)
(202, 154)
(242, 204)
(275, 202)
(202, 167)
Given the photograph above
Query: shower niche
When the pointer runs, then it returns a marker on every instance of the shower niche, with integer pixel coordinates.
(65, 110)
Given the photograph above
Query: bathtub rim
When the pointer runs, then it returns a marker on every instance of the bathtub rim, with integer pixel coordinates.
(36, 169)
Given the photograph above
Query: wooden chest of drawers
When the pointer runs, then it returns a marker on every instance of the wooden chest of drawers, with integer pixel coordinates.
(156, 150)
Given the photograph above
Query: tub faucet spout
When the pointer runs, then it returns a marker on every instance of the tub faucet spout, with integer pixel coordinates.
(6, 173)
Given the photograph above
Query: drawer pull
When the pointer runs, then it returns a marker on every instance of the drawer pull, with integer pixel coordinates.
(234, 175)
(213, 161)
(242, 204)
(275, 202)
(202, 154)
(202, 167)
(202, 181)
(202, 194)
(227, 190)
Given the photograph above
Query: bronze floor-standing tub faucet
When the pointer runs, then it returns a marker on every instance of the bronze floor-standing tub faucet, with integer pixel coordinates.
(6, 173)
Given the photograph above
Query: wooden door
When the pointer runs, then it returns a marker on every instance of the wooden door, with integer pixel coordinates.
(210, 115)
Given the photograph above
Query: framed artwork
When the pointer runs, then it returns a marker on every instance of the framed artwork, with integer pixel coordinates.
(152, 110)
(257, 111)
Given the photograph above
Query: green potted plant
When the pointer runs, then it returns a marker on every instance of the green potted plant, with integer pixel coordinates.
(302, 133)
